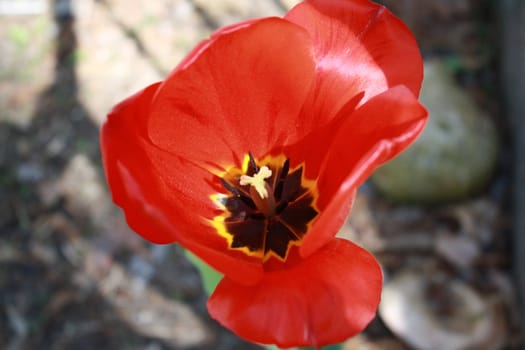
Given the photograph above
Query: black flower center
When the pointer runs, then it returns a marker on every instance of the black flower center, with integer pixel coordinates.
(269, 207)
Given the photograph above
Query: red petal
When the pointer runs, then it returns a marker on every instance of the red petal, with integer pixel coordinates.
(201, 47)
(371, 135)
(156, 206)
(327, 298)
(359, 46)
(242, 93)
(117, 132)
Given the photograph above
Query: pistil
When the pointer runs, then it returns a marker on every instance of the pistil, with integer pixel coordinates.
(260, 191)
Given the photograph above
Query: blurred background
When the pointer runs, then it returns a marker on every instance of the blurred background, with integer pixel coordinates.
(445, 219)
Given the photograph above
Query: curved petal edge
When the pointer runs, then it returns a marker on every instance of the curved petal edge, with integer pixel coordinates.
(327, 298)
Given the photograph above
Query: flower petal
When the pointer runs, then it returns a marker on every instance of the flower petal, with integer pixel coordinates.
(359, 46)
(242, 93)
(201, 47)
(122, 128)
(326, 298)
(371, 135)
(155, 208)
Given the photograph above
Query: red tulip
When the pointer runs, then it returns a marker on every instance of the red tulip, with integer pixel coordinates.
(249, 155)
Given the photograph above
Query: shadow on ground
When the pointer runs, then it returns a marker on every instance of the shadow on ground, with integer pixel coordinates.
(63, 284)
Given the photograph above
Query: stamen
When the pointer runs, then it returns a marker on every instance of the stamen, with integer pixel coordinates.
(257, 181)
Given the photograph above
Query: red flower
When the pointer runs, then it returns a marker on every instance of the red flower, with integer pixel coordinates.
(249, 155)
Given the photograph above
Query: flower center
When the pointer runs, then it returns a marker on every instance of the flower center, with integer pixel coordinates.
(268, 208)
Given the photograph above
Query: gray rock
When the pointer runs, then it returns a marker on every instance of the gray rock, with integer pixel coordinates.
(416, 307)
(456, 154)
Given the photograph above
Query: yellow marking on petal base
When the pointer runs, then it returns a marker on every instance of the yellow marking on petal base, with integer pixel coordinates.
(257, 181)
(218, 224)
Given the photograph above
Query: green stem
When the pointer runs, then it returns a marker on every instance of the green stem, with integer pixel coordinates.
(329, 347)
(210, 277)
